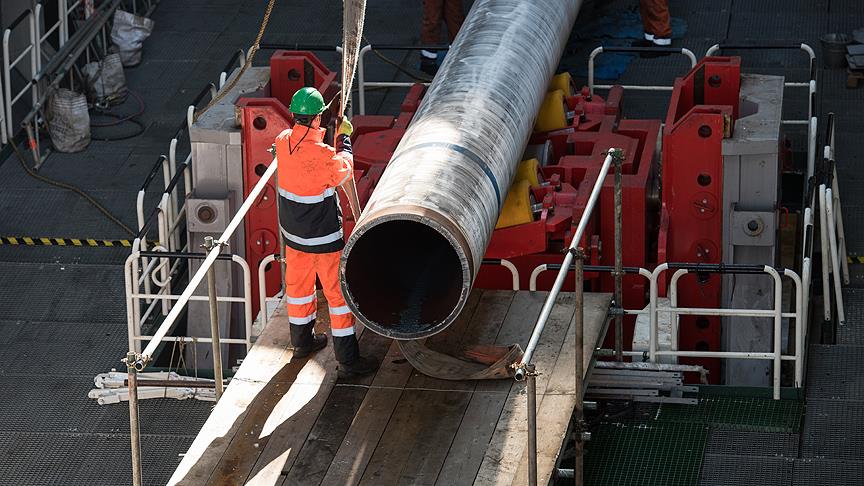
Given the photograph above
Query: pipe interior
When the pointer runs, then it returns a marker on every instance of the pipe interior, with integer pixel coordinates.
(403, 276)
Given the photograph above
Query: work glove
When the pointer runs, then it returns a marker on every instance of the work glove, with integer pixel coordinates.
(346, 128)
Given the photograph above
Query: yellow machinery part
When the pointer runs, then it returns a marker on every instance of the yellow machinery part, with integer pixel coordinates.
(562, 81)
(527, 171)
(517, 206)
(553, 113)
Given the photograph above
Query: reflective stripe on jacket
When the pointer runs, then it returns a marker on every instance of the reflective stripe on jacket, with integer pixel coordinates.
(309, 170)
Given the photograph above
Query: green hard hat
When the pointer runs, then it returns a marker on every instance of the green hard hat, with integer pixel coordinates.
(307, 101)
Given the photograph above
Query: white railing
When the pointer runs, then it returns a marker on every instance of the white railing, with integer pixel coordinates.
(158, 271)
(637, 87)
(136, 361)
(834, 258)
(11, 61)
(654, 309)
(776, 313)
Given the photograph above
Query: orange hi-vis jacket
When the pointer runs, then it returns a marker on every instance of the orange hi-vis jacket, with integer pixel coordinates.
(311, 223)
(309, 172)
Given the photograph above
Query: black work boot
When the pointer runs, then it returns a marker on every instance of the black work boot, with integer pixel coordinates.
(305, 341)
(348, 355)
(429, 65)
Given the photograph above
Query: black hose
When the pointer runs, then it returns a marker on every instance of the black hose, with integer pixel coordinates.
(119, 120)
(69, 187)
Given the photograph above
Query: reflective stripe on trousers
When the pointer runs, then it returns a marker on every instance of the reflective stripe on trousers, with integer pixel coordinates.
(300, 271)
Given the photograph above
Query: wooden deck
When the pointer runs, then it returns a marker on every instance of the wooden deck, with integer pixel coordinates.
(284, 422)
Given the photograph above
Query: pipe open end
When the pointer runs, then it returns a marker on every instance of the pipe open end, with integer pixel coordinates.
(405, 277)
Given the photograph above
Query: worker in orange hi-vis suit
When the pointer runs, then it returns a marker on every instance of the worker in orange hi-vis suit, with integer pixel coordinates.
(309, 171)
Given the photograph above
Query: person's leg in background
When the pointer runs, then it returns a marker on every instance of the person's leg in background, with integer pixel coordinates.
(656, 22)
(302, 302)
(454, 16)
(345, 344)
(430, 34)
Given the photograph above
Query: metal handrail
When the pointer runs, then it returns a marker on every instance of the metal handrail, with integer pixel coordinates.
(521, 370)
(639, 87)
(776, 312)
(137, 361)
(164, 295)
(145, 356)
(773, 46)
(9, 63)
(681, 269)
(514, 272)
(525, 369)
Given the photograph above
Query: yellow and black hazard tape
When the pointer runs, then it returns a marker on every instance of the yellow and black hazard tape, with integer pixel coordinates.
(82, 242)
(855, 259)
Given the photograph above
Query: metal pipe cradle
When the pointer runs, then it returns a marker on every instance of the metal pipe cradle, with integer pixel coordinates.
(410, 263)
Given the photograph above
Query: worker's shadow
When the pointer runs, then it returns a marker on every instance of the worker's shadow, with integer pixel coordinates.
(232, 457)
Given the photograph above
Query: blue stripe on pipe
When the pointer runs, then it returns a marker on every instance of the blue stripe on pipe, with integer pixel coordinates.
(464, 151)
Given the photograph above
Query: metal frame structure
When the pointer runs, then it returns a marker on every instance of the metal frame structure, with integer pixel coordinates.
(134, 295)
(526, 371)
(137, 361)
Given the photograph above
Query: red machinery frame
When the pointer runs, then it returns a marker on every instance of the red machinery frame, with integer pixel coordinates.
(687, 229)
(702, 109)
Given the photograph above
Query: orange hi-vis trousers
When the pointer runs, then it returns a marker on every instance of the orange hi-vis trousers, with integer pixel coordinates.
(300, 271)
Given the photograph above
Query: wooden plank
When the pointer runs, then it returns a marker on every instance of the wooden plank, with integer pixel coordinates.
(396, 428)
(369, 423)
(329, 430)
(559, 400)
(510, 438)
(440, 412)
(478, 424)
(293, 416)
(266, 359)
(454, 333)
(371, 420)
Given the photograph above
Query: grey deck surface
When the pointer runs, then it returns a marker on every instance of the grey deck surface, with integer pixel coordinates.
(293, 422)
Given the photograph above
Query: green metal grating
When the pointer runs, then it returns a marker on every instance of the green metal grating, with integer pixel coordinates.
(661, 453)
(739, 409)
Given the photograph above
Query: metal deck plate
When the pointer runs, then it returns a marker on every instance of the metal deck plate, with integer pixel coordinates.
(830, 429)
(645, 453)
(65, 255)
(745, 443)
(723, 470)
(36, 459)
(819, 472)
(46, 404)
(828, 379)
(26, 213)
(740, 412)
(62, 293)
(853, 331)
(33, 348)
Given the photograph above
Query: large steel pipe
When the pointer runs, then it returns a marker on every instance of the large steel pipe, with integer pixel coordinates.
(412, 258)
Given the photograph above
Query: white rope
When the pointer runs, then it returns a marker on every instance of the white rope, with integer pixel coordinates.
(353, 16)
